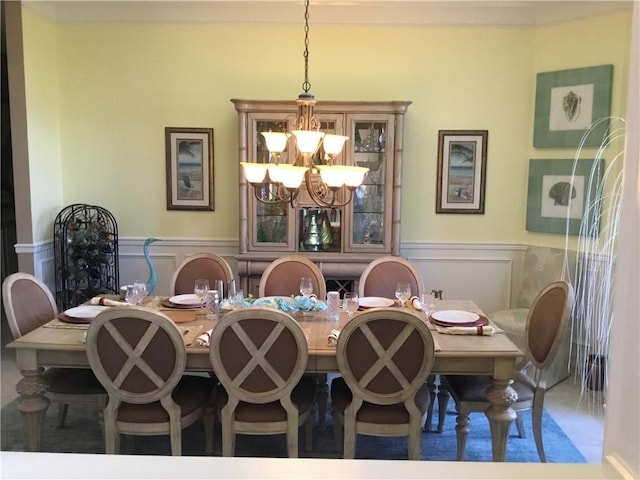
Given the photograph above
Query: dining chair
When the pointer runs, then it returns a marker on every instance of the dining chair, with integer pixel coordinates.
(139, 356)
(282, 277)
(384, 356)
(200, 265)
(28, 304)
(259, 355)
(379, 278)
(547, 323)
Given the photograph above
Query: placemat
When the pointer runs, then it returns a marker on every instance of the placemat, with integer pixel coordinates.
(57, 323)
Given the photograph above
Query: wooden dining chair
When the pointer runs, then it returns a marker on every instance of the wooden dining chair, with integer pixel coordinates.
(28, 304)
(547, 323)
(259, 355)
(379, 278)
(385, 356)
(139, 356)
(200, 265)
(282, 277)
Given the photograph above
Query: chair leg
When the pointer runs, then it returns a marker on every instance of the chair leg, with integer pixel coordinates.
(536, 420)
(322, 394)
(338, 431)
(415, 443)
(209, 420)
(462, 430)
(520, 426)
(443, 401)
(62, 413)
(431, 384)
(292, 439)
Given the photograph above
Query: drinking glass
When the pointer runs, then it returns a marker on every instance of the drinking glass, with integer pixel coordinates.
(306, 286)
(201, 288)
(231, 289)
(139, 291)
(403, 292)
(428, 302)
(130, 295)
(350, 303)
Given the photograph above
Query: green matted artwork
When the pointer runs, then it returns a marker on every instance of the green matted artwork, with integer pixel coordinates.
(569, 103)
(561, 192)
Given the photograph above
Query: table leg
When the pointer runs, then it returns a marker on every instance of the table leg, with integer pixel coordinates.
(33, 405)
(322, 392)
(500, 415)
(443, 401)
(431, 385)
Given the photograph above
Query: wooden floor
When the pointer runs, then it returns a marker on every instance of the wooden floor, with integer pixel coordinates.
(574, 411)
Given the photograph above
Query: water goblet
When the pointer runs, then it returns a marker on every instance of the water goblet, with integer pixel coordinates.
(350, 303)
(200, 289)
(403, 292)
(130, 295)
(428, 302)
(306, 286)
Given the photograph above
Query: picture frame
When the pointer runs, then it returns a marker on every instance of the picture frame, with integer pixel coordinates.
(571, 102)
(561, 192)
(189, 153)
(462, 166)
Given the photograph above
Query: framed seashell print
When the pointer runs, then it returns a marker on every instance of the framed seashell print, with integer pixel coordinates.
(572, 107)
(462, 167)
(565, 196)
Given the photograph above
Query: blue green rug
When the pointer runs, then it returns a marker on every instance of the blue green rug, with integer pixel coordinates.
(81, 434)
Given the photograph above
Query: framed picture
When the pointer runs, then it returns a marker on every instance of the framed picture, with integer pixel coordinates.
(462, 165)
(189, 168)
(562, 193)
(569, 103)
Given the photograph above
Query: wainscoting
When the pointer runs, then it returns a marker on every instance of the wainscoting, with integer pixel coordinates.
(485, 273)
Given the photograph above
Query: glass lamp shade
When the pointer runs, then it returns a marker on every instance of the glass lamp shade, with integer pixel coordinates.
(289, 175)
(333, 144)
(337, 175)
(255, 172)
(276, 141)
(308, 140)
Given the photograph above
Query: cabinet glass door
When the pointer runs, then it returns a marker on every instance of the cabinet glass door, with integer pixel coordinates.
(370, 207)
(272, 228)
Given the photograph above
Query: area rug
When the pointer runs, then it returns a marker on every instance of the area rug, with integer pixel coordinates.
(81, 434)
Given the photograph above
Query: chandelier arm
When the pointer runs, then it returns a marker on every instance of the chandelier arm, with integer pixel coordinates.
(319, 200)
(279, 198)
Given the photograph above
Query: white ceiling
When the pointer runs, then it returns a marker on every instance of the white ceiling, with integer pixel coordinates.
(388, 12)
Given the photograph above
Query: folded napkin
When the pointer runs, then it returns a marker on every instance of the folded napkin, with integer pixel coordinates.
(203, 338)
(486, 330)
(332, 341)
(106, 301)
(415, 303)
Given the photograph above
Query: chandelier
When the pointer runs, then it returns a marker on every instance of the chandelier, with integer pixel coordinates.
(277, 182)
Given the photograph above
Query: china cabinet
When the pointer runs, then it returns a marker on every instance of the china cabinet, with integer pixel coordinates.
(341, 240)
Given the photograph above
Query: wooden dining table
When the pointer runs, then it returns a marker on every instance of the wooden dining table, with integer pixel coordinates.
(62, 345)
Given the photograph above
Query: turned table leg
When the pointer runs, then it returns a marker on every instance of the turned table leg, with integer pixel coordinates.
(500, 415)
(33, 405)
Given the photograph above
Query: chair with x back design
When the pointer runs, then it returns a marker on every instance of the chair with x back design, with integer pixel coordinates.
(385, 356)
(259, 355)
(139, 356)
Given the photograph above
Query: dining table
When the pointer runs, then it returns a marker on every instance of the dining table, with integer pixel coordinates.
(62, 344)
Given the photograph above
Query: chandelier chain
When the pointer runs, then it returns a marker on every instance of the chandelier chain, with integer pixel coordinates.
(306, 86)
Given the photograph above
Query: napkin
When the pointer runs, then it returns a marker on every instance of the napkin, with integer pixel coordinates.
(332, 340)
(106, 301)
(415, 303)
(203, 338)
(486, 330)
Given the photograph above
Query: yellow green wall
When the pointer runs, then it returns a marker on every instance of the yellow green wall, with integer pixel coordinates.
(117, 86)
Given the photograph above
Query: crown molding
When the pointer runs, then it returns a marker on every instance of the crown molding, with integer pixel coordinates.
(349, 12)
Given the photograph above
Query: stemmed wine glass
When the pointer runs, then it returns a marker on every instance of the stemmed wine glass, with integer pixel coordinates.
(200, 289)
(350, 303)
(428, 302)
(403, 292)
(306, 286)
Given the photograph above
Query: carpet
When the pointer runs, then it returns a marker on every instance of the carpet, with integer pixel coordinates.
(81, 434)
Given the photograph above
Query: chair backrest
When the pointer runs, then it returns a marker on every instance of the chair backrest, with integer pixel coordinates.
(379, 278)
(547, 323)
(259, 355)
(28, 303)
(201, 265)
(385, 355)
(137, 354)
(282, 277)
